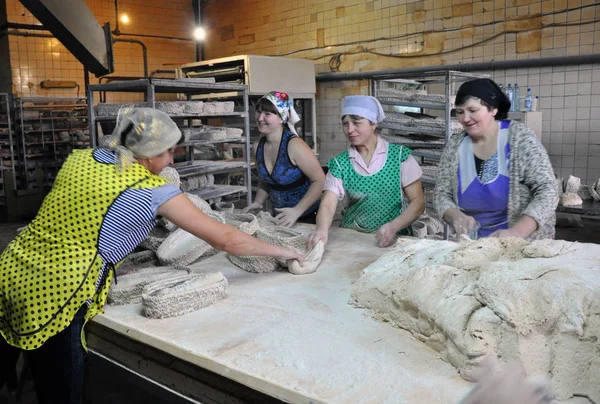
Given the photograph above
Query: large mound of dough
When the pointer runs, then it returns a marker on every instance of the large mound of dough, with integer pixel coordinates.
(538, 302)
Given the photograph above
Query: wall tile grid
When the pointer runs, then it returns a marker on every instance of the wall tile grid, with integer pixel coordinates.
(35, 59)
(356, 35)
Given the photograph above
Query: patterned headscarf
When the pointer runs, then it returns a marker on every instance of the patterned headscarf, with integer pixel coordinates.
(285, 106)
(141, 132)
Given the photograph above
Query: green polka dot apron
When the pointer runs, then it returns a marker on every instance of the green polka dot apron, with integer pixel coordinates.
(53, 268)
(376, 199)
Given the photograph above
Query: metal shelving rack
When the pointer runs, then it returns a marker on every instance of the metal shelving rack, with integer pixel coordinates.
(151, 87)
(7, 146)
(263, 74)
(48, 129)
(428, 149)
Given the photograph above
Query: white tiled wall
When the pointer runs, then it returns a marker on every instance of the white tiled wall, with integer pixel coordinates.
(569, 100)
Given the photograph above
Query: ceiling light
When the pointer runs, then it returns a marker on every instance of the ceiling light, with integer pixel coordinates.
(124, 18)
(199, 34)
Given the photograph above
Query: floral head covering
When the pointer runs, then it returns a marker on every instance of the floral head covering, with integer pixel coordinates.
(141, 132)
(285, 106)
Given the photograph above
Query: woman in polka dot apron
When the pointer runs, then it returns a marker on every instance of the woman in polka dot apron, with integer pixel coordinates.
(495, 179)
(55, 275)
(288, 171)
(376, 176)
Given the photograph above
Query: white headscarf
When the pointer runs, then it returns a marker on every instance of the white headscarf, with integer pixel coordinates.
(363, 105)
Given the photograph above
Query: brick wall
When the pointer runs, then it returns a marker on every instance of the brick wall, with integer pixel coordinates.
(35, 59)
(358, 35)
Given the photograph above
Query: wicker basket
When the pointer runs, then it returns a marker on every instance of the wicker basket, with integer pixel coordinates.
(246, 222)
(419, 229)
(129, 288)
(183, 294)
(171, 175)
(183, 248)
(197, 201)
(224, 207)
(193, 107)
(154, 239)
(279, 236)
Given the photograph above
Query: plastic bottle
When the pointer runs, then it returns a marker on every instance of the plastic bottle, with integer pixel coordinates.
(535, 104)
(510, 94)
(528, 101)
(516, 104)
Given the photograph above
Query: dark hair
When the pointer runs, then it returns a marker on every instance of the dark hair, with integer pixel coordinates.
(461, 100)
(356, 118)
(264, 105)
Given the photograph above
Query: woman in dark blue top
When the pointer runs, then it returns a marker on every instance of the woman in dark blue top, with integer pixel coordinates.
(288, 170)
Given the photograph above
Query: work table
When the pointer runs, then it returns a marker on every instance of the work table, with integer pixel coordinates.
(297, 338)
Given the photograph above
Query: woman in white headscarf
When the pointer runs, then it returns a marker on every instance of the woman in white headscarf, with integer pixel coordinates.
(375, 175)
(288, 171)
(55, 275)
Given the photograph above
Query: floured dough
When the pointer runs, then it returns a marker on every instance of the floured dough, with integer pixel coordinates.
(311, 261)
(570, 199)
(474, 256)
(572, 185)
(536, 302)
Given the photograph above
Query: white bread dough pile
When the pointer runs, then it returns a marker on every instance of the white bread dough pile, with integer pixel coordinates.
(538, 302)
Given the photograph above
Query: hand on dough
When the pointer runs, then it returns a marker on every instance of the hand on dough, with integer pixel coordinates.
(463, 224)
(386, 235)
(508, 385)
(252, 207)
(287, 217)
(315, 237)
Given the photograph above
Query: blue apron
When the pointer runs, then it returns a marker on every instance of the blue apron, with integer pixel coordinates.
(486, 200)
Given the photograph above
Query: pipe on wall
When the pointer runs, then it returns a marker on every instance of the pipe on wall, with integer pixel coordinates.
(199, 17)
(33, 27)
(41, 28)
(162, 71)
(465, 67)
(144, 50)
(21, 33)
(118, 32)
(173, 38)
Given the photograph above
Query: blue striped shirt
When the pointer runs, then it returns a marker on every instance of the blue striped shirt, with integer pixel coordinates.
(129, 219)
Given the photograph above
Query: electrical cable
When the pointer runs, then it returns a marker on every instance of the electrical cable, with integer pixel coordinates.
(416, 34)
(335, 60)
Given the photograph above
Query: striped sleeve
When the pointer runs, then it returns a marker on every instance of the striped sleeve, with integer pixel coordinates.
(127, 223)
